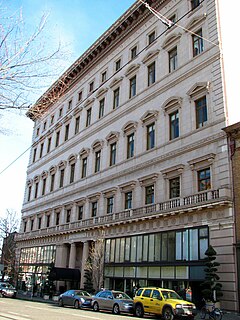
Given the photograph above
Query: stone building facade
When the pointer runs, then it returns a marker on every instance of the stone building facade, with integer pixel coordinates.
(128, 146)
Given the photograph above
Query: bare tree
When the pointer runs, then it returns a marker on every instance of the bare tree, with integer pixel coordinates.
(95, 263)
(8, 228)
(26, 65)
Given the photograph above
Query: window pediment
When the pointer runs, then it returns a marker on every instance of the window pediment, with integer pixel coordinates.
(112, 136)
(84, 152)
(128, 186)
(129, 127)
(172, 171)
(36, 179)
(196, 22)
(201, 161)
(53, 170)
(171, 41)
(62, 165)
(101, 92)
(72, 158)
(115, 82)
(88, 102)
(77, 110)
(149, 117)
(109, 192)
(199, 88)
(132, 69)
(150, 56)
(97, 145)
(149, 179)
(94, 197)
(30, 182)
(44, 174)
(81, 201)
(172, 104)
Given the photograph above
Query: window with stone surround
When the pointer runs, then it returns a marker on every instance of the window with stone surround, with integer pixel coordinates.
(204, 179)
(132, 86)
(94, 209)
(151, 74)
(173, 59)
(149, 194)
(197, 42)
(201, 112)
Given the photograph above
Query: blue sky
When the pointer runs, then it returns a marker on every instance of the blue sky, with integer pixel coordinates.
(77, 24)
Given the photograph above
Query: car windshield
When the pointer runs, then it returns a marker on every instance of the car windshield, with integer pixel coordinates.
(120, 295)
(82, 293)
(170, 295)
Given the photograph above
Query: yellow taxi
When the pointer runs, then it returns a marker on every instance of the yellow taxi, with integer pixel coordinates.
(163, 302)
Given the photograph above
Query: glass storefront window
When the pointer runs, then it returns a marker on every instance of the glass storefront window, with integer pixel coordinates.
(182, 272)
(112, 250)
(108, 271)
(139, 249)
(117, 250)
(142, 272)
(178, 245)
(193, 237)
(118, 272)
(154, 272)
(171, 246)
(127, 249)
(167, 272)
(133, 249)
(122, 249)
(164, 246)
(107, 250)
(129, 272)
(145, 248)
(157, 242)
(185, 245)
(151, 248)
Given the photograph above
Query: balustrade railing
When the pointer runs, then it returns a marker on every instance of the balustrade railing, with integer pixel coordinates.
(166, 206)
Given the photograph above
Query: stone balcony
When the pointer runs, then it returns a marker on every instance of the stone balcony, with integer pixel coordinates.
(199, 201)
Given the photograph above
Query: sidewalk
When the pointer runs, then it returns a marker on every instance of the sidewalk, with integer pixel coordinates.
(227, 315)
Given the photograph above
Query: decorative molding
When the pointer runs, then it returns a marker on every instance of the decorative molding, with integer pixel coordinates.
(171, 104)
(115, 82)
(101, 92)
(171, 41)
(199, 88)
(149, 179)
(149, 116)
(97, 145)
(196, 22)
(130, 127)
(150, 56)
(206, 159)
(84, 152)
(178, 169)
(132, 70)
(127, 186)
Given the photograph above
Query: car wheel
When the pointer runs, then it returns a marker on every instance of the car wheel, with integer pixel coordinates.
(76, 304)
(167, 314)
(95, 306)
(60, 303)
(116, 309)
(139, 312)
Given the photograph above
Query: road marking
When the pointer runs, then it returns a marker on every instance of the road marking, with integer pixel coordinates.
(12, 317)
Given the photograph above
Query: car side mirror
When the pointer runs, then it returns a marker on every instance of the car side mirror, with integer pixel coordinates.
(109, 297)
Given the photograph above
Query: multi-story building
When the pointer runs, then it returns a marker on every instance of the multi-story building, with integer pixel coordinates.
(128, 146)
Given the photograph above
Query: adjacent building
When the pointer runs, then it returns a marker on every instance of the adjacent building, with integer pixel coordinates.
(128, 147)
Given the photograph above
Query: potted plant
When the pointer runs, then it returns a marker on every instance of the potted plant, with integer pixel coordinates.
(212, 289)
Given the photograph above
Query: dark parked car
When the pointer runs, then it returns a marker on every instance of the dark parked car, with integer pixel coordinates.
(75, 298)
(116, 301)
(7, 290)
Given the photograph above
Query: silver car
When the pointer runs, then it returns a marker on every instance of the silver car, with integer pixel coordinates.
(116, 301)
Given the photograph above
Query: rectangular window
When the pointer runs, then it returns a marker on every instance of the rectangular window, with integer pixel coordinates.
(118, 65)
(201, 112)
(32, 224)
(101, 108)
(149, 194)
(49, 144)
(151, 74)
(132, 87)
(174, 188)
(34, 154)
(80, 96)
(57, 138)
(151, 37)
(43, 186)
(88, 119)
(116, 94)
(97, 160)
(69, 104)
(45, 125)
(197, 41)
(66, 132)
(94, 209)
(39, 222)
(68, 215)
(72, 172)
(48, 221)
(41, 150)
(110, 202)
(80, 212)
(173, 59)
(52, 182)
(204, 179)
(77, 124)
(151, 136)
(84, 167)
(128, 200)
(195, 4)
(57, 218)
(60, 112)
(36, 190)
(52, 119)
(130, 146)
(133, 249)
(61, 178)
(174, 125)
(104, 76)
(29, 193)
(91, 86)
(134, 52)
(113, 151)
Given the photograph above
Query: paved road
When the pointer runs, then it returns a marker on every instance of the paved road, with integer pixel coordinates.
(15, 309)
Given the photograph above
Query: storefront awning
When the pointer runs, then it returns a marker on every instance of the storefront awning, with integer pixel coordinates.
(64, 274)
